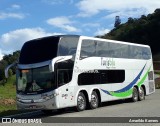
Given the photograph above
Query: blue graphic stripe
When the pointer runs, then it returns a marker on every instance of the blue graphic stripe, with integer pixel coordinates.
(128, 86)
(132, 83)
(105, 91)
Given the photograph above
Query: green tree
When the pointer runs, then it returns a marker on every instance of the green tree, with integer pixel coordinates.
(8, 59)
(10, 73)
(143, 30)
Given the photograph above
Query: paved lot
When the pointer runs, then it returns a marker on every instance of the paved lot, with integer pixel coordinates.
(150, 107)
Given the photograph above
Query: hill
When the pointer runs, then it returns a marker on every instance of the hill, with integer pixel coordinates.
(145, 30)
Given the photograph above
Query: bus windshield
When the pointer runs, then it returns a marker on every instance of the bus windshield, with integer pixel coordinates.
(35, 80)
(39, 50)
(47, 48)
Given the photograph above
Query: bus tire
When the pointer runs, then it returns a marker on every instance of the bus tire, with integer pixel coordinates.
(94, 100)
(61, 110)
(135, 94)
(81, 102)
(47, 111)
(141, 94)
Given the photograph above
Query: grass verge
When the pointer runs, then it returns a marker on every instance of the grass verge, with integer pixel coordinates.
(8, 95)
(157, 83)
(8, 99)
(8, 91)
(157, 72)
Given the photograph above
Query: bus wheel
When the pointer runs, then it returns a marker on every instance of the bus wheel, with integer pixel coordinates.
(94, 100)
(135, 94)
(141, 94)
(81, 102)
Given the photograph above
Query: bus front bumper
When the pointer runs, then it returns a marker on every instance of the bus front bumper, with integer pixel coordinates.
(33, 104)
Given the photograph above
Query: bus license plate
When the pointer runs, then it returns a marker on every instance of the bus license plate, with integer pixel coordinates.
(33, 106)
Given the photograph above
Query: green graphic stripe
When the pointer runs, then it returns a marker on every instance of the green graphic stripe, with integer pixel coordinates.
(122, 94)
(129, 92)
(143, 79)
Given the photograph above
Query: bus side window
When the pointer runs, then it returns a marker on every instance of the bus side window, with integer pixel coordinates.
(88, 49)
(63, 77)
(104, 78)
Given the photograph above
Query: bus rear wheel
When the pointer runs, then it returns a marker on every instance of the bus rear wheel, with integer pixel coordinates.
(81, 102)
(94, 100)
(135, 94)
(141, 94)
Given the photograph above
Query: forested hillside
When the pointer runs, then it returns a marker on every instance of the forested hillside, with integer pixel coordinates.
(145, 30)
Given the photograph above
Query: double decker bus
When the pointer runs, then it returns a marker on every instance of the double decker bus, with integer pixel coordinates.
(63, 71)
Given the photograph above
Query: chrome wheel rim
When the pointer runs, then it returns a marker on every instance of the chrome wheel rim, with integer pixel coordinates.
(135, 95)
(94, 100)
(81, 102)
(141, 93)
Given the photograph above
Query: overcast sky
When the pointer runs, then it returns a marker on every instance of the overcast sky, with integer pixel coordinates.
(22, 20)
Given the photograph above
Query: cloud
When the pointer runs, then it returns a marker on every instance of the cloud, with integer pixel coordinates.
(129, 13)
(102, 31)
(4, 15)
(62, 22)
(14, 40)
(1, 55)
(93, 7)
(16, 6)
(9, 13)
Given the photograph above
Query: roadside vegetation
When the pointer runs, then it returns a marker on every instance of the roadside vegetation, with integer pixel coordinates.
(8, 98)
(8, 95)
(157, 81)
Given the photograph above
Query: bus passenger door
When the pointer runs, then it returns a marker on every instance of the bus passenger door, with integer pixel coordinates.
(65, 91)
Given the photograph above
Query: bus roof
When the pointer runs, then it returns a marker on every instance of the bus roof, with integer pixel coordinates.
(114, 41)
(98, 39)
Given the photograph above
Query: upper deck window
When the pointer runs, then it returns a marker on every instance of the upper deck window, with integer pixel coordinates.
(92, 48)
(67, 46)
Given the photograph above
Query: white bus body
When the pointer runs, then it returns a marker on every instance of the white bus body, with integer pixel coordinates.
(102, 70)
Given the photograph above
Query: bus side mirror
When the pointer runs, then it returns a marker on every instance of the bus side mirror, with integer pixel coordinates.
(8, 67)
(58, 59)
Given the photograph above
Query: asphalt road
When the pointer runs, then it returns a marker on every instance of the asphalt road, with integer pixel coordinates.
(150, 107)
